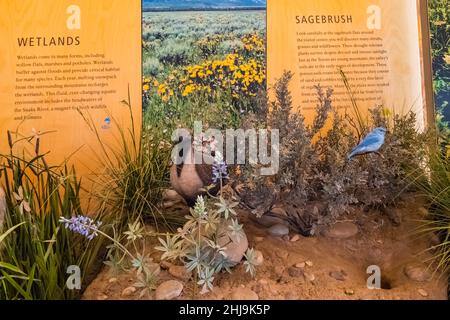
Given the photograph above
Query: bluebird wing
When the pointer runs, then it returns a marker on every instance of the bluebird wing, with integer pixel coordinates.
(371, 143)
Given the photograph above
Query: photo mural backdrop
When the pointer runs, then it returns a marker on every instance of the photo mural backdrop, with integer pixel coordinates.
(63, 57)
(381, 46)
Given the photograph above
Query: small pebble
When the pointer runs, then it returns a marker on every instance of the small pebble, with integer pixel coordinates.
(300, 265)
(128, 291)
(258, 239)
(423, 293)
(309, 263)
(295, 238)
(349, 292)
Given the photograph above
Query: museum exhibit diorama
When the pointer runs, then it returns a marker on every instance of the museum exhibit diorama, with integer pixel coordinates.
(224, 150)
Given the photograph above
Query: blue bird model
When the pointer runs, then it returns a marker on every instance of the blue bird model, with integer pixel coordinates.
(370, 144)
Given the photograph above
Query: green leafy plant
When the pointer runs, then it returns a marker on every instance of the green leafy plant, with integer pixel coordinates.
(136, 172)
(35, 249)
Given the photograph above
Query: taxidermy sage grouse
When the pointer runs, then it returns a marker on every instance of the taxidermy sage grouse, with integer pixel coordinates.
(190, 179)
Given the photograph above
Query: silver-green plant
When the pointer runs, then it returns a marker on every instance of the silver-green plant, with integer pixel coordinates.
(200, 244)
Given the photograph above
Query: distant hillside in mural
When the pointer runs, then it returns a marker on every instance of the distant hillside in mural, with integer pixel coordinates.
(201, 4)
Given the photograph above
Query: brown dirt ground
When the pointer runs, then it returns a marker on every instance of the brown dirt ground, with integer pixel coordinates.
(377, 243)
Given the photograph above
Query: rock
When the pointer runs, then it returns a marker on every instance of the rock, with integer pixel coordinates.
(169, 204)
(349, 292)
(169, 290)
(112, 280)
(259, 258)
(295, 272)
(268, 221)
(264, 281)
(309, 263)
(309, 276)
(171, 196)
(244, 294)
(300, 265)
(338, 275)
(342, 230)
(235, 250)
(258, 239)
(102, 297)
(417, 272)
(128, 291)
(295, 238)
(279, 230)
(423, 293)
(180, 273)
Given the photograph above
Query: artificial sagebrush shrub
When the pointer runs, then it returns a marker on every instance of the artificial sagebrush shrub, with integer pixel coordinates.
(316, 182)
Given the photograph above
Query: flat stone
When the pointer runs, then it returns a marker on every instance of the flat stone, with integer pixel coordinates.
(295, 272)
(171, 195)
(259, 258)
(349, 292)
(180, 273)
(423, 293)
(112, 280)
(241, 294)
(342, 230)
(169, 204)
(309, 276)
(295, 238)
(279, 230)
(169, 290)
(338, 275)
(128, 291)
(102, 297)
(417, 272)
(235, 250)
(258, 239)
(300, 265)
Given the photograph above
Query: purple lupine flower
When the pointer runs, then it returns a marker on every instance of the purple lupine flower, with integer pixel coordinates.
(82, 225)
(219, 169)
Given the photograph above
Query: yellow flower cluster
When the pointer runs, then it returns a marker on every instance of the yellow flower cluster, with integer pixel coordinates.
(254, 43)
(233, 74)
(162, 89)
